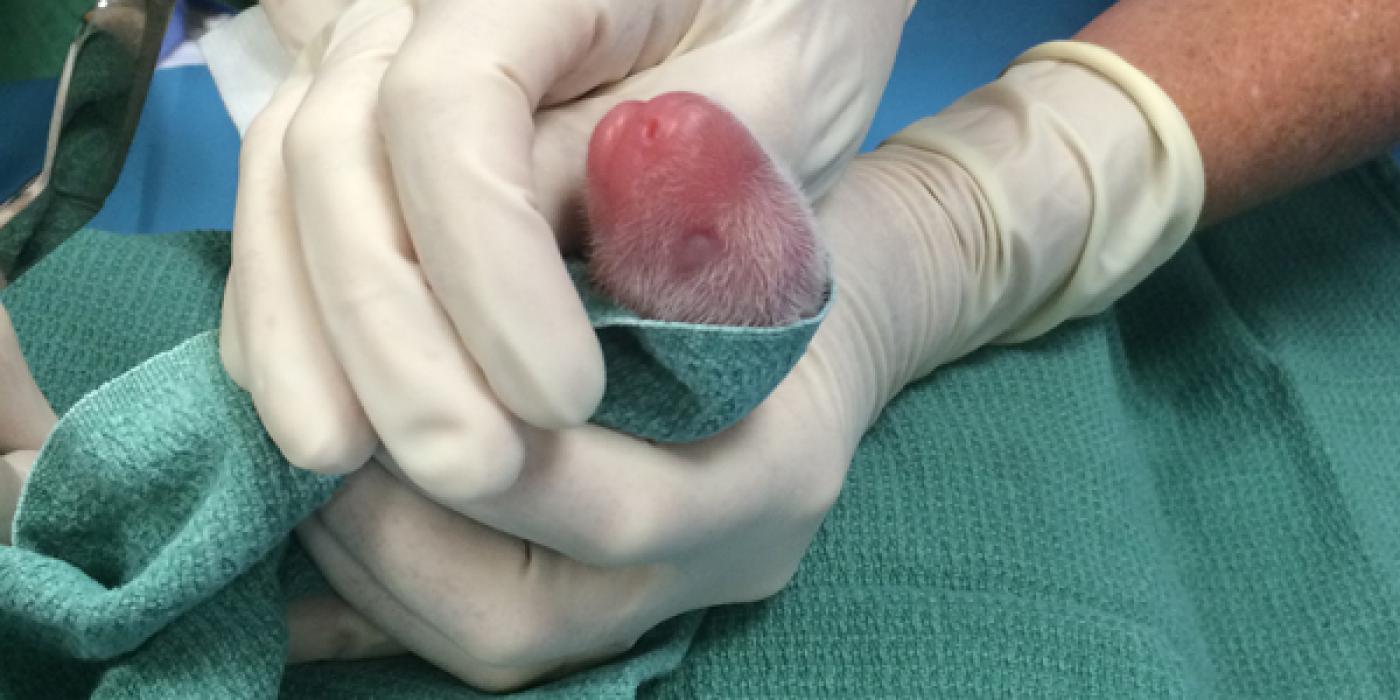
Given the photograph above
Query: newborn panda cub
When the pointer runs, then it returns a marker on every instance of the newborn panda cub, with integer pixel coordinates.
(691, 221)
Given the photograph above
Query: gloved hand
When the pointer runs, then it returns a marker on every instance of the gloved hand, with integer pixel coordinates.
(404, 197)
(1038, 198)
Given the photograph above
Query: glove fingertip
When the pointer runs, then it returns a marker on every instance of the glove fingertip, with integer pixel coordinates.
(458, 465)
(331, 458)
(325, 440)
(566, 399)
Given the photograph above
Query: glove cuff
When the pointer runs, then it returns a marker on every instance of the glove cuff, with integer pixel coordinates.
(1087, 179)
(1134, 233)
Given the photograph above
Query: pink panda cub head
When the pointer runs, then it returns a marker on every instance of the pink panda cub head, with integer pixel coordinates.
(691, 221)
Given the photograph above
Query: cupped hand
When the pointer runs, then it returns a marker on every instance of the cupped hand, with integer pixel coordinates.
(1032, 200)
(610, 535)
(404, 198)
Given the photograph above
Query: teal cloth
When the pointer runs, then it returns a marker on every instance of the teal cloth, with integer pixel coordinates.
(88, 156)
(681, 382)
(1192, 495)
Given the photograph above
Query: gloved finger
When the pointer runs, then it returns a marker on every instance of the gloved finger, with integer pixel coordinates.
(458, 118)
(489, 608)
(231, 351)
(424, 396)
(609, 499)
(273, 344)
(297, 22)
(418, 632)
(326, 628)
(425, 631)
(25, 415)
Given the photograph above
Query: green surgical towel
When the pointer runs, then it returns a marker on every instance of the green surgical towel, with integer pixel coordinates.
(680, 382)
(88, 156)
(1195, 494)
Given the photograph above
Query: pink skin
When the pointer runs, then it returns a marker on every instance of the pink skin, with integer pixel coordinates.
(691, 221)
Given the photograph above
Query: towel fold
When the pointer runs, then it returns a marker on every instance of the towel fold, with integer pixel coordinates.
(1195, 494)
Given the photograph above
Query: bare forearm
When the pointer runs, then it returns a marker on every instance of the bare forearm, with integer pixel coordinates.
(1277, 92)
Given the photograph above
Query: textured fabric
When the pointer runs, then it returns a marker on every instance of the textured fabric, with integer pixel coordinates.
(36, 34)
(679, 382)
(83, 172)
(174, 440)
(1192, 495)
(175, 435)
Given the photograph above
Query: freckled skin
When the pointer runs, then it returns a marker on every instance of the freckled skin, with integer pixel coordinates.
(691, 221)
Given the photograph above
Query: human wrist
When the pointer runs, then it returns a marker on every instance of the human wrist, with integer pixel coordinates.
(1084, 178)
(896, 293)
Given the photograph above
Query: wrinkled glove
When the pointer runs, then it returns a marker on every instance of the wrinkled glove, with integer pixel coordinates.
(1038, 198)
(404, 197)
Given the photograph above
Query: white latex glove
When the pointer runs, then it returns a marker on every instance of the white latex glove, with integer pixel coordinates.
(297, 22)
(395, 262)
(1040, 197)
